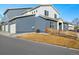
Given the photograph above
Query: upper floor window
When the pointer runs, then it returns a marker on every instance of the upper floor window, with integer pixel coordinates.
(36, 10)
(32, 12)
(55, 16)
(46, 13)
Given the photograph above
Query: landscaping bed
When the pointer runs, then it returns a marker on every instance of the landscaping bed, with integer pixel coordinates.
(51, 39)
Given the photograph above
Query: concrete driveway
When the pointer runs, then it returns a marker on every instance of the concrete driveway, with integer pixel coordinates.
(13, 46)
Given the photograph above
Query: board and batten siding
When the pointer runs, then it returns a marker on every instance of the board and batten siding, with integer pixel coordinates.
(40, 11)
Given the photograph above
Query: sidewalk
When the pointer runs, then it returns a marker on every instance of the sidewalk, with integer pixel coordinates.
(13, 35)
(5, 33)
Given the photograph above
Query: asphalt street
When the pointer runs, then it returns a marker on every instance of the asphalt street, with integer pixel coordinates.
(14, 46)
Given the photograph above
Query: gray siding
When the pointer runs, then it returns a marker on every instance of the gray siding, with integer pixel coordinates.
(41, 24)
(12, 13)
(54, 24)
(25, 24)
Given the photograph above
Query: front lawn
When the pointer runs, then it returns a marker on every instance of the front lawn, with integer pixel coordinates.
(51, 39)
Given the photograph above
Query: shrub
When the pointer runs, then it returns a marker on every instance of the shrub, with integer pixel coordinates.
(37, 31)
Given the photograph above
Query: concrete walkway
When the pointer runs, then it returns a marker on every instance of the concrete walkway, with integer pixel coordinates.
(14, 35)
(11, 35)
(5, 33)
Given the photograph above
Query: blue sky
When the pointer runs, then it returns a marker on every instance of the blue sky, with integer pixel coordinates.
(67, 11)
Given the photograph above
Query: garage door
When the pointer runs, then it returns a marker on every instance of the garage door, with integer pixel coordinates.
(2, 27)
(6, 28)
(13, 28)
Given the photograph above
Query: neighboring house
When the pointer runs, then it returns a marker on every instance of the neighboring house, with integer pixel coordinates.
(20, 20)
(71, 27)
(68, 26)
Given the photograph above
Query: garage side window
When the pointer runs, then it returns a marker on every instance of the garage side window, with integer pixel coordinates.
(52, 24)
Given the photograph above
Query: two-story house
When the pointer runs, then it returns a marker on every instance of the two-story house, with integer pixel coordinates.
(20, 20)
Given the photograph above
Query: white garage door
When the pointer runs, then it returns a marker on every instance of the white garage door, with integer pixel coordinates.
(2, 27)
(6, 28)
(13, 28)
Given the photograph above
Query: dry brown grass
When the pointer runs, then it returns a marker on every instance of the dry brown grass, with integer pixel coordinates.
(51, 39)
(67, 34)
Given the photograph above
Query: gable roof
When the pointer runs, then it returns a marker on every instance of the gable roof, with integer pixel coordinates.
(15, 9)
(44, 5)
(30, 9)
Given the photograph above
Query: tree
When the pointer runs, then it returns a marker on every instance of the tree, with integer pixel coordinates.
(76, 23)
(76, 27)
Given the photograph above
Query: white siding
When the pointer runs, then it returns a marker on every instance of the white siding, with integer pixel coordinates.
(40, 11)
(13, 28)
(6, 28)
(29, 13)
(2, 27)
(70, 27)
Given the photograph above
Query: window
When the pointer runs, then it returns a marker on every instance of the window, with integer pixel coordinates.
(46, 13)
(55, 16)
(52, 24)
(36, 10)
(32, 12)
